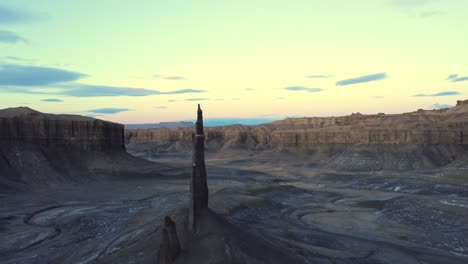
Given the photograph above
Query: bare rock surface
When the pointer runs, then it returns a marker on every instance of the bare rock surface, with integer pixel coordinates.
(41, 149)
(24, 125)
(420, 139)
(264, 207)
(260, 213)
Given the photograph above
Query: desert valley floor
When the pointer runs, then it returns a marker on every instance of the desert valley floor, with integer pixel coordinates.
(316, 215)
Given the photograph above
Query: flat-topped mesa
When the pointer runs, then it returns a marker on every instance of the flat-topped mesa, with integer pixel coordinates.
(198, 182)
(25, 126)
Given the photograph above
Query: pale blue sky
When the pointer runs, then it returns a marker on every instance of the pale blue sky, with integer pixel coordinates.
(153, 61)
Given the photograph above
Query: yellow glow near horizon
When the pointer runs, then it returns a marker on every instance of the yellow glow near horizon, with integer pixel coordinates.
(224, 48)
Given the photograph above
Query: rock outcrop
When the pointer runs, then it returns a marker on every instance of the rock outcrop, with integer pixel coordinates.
(27, 126)
(209, 237)
(38, 148)
(169, 248)
(198, 181)
(462, 102)
(433, 137)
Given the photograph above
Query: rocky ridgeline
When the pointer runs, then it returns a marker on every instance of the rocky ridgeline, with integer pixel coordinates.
(449, 126)
(37, 148)
(24, 125)
(439, 135)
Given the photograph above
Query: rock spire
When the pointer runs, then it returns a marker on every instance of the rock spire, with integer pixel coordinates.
(198, 182)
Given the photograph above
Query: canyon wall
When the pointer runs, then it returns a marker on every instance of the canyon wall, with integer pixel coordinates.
(23, 125)
(429, 138)
(37, 148)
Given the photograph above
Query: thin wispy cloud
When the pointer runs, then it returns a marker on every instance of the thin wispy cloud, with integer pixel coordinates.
(319, 76)
(456, 78)
(440, 106)
(171, 101)
(452, 76)
(417, 8)
(302, 88)
(16, 16)
(15, 78)
(196, 99)
(447, 93)
(52, 100)
(428, 14)
(249, 89)
(410, 4)
(83, 90)
(377, 97)
(460, 79)
(108, 111)
(362, 79)
(175, 78)
(24, 90)
(14, 58)
(10, 37)
(160, 107)
(184, 91)
(169, 77)
(22, 75)
(80, 90)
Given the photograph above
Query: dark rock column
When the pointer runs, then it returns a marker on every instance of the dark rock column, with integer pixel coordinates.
(169, 249)
(164, 248)
(174, 243)
(198, 182)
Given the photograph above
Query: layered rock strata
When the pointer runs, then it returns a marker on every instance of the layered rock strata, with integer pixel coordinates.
(440, 136)
(38, 148)
(24, 125)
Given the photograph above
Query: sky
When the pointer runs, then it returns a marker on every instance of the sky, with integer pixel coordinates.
(146, 61)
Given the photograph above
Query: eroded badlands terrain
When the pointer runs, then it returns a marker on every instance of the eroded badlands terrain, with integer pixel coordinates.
(319, 217)
(272, 206)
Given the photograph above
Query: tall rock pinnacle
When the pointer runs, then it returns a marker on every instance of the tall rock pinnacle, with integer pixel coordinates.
(198, 182)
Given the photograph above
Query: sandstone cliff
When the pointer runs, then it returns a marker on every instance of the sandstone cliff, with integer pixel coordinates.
(420, 139)
(37, 148)
(24, 125)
